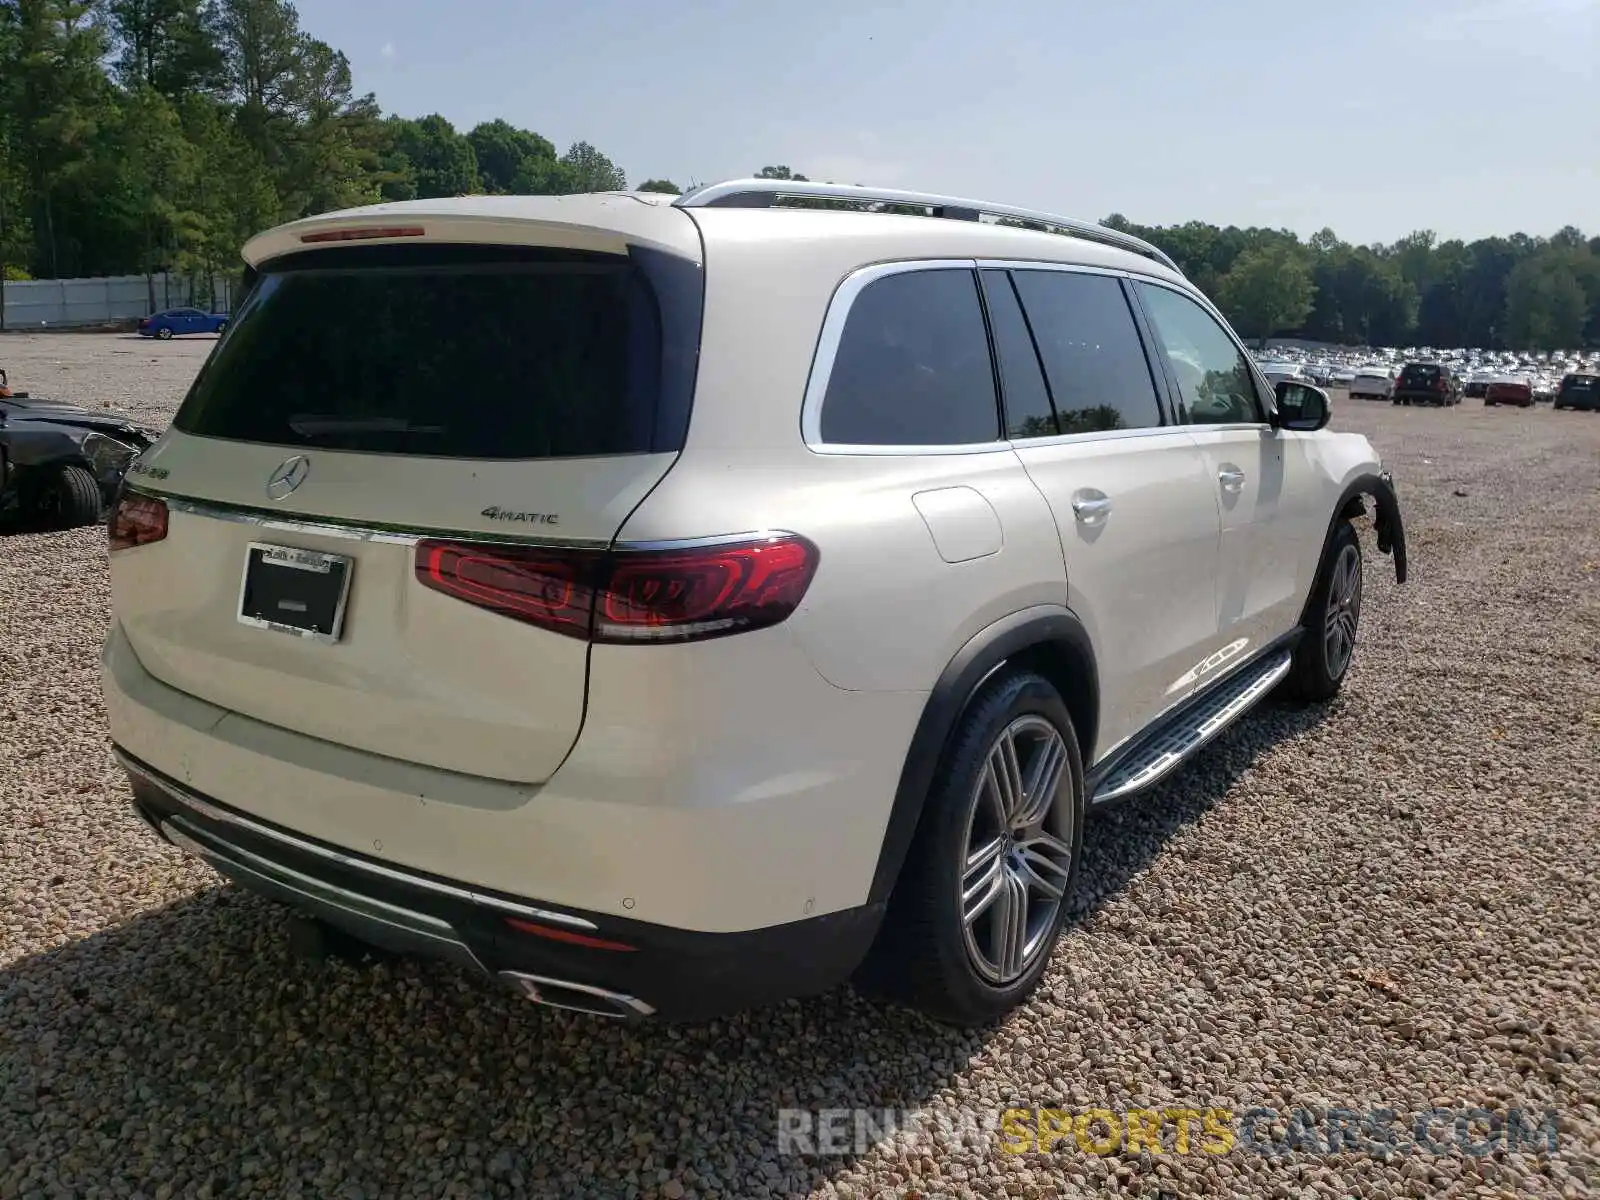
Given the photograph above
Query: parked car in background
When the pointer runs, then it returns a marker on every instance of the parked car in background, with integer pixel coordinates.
(1426, 383)
(1280, 372)
(1477, 384)
(61, 465)
(1579, 391)
(1510, 390)
(1372, 383)
(542, 641)
(176, 321)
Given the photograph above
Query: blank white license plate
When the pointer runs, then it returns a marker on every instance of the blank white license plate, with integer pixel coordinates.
(302, 592)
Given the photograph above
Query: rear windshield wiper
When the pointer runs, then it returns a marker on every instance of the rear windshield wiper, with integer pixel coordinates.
(314, 425)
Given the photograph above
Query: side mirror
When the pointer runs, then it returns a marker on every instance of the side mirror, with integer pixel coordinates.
(1301, 406)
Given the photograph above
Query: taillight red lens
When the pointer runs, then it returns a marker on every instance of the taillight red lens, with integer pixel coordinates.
(628, 596)
(136, 521)
(551, 588)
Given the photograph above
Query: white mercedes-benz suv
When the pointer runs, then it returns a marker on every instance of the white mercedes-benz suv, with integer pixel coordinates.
(669, 606)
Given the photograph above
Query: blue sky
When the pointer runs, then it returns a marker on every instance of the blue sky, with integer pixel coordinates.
(1377, 117)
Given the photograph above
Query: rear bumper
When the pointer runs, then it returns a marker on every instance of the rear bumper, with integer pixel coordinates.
(1422, 395)
(672, 973)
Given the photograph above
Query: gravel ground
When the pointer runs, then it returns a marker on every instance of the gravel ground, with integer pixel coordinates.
(1389, 902)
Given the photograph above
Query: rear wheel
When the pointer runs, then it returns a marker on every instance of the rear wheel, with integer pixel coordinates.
(981, 901)
(1322, 659)
(164, 333)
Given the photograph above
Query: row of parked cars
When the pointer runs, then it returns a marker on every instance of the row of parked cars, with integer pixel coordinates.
(1442, 384)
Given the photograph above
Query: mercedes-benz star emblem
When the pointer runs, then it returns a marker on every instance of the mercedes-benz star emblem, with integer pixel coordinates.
(291, 473)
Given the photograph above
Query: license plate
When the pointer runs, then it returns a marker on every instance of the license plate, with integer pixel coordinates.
(295, 591)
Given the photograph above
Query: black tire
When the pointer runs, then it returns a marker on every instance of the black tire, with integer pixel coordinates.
(222, 328)
(65, 498)
(1317, 673)
(164, 333)
(922, 957)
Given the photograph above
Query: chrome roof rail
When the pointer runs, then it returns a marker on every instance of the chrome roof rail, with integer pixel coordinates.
(765, 193)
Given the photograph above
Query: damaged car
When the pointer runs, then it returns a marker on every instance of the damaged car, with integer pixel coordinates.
(61, 465)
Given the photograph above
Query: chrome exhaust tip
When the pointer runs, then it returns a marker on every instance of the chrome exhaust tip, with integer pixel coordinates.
(576, 997)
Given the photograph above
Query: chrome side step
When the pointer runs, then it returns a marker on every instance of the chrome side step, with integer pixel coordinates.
(1174, 743)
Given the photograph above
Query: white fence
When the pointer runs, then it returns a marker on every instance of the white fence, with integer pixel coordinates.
(65, 303)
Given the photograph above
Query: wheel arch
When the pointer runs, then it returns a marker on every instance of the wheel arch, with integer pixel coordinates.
(1048, 639)
(1387, 521)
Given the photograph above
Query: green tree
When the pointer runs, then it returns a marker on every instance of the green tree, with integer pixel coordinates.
(504, 153)
(1267, 289)
(780, 173)
(169, 45)
(1546, 308)
(58, 96)
(665, 186)
(442, 161)
(590, 171)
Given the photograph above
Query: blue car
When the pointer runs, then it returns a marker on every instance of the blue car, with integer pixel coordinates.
(174, 321)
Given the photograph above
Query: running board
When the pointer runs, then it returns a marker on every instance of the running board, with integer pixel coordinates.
(1174, 743)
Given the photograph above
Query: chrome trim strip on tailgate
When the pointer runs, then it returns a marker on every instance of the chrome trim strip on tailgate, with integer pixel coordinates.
(330, 527)
(205, 808)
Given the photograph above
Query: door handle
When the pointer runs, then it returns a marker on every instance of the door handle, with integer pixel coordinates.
(1091, 508)
(1231, 479)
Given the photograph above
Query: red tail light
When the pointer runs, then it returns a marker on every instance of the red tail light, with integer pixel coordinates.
(136, 521)
(671, 595)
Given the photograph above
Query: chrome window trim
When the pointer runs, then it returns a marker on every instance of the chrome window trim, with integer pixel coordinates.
(182, 795)
(1099, 435)
(839, 306)
(833, 323)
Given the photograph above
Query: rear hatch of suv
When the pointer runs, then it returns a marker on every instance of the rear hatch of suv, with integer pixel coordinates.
(386, 405)
(1419, 377)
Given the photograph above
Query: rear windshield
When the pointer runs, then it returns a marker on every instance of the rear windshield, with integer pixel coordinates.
(450, 352)
(1420, 371)
(1581, 383)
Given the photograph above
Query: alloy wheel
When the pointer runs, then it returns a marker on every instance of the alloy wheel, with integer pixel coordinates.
(1343, 612)
(1018, 851)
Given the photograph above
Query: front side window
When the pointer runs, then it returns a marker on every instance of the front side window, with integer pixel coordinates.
(1214, 379)
(913, 365)
(1093, 359)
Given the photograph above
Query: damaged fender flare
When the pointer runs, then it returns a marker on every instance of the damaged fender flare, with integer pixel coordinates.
(1387, 523)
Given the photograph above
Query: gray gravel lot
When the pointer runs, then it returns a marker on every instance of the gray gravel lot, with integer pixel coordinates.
(1386, 903)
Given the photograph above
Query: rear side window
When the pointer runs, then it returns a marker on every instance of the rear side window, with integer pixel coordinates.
(913, 366)
(1093, 359)
(485, 355)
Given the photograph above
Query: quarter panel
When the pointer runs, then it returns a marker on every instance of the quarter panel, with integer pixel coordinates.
(885, 611)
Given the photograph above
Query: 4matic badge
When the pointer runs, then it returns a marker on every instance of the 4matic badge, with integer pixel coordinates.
(495, 513)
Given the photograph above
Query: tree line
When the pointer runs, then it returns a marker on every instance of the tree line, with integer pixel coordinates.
(141, 136)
